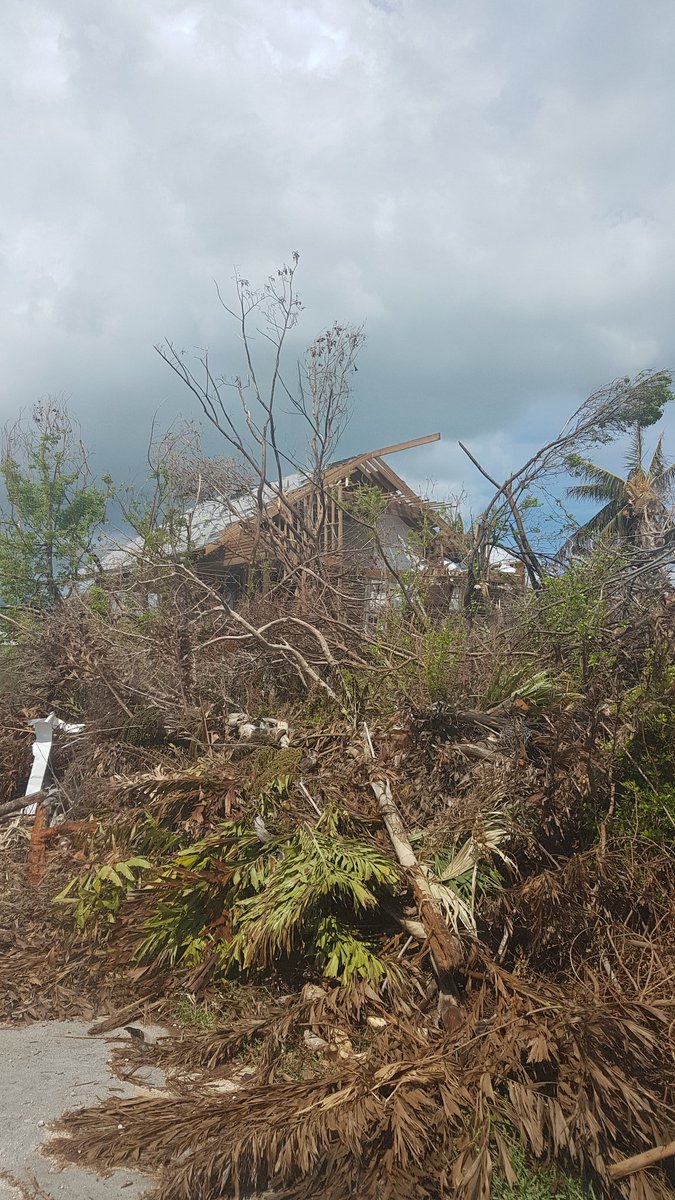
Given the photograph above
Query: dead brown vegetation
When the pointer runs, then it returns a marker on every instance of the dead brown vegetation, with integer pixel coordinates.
(493, 793)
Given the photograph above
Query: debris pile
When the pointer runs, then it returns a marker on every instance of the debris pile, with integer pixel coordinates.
(421, 939)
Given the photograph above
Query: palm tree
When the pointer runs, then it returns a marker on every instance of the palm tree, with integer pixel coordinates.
(635, 508)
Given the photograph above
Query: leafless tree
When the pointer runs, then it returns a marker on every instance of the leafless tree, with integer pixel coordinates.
(180, 476)
(320, 395)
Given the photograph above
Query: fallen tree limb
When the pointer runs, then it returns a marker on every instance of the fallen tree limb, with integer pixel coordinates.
(640, 1162)
(290, 653)
(444, 945)
(471, 750)
(21, 802)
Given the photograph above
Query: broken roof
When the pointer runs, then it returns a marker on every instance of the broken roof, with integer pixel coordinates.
(210, 523)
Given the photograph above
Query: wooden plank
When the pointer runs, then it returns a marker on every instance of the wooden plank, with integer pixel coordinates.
(400, 485)
(334, 475)
(414, 499)
(409, 445)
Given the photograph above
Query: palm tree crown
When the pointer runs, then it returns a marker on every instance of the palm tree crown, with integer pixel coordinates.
(634, 507)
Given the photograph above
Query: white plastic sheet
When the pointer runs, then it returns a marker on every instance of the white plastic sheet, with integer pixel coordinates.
(42, 747)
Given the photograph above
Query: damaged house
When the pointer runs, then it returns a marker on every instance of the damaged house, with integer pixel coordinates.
(361, 522)
(360, 526)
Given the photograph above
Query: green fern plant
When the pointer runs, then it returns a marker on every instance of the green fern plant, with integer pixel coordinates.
(300, 894)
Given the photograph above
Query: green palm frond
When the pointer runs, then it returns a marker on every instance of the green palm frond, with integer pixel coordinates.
(344, 953)
(659, 463)
(623, 500)
(665, 480)
(593, 492)
(600, 484)
(520, 683)
(608, 520)
(314, 869)
(458, 880)
(252, 904)
(634, 463)
(661, 473)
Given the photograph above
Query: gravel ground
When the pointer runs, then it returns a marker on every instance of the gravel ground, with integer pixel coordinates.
(45, 1069)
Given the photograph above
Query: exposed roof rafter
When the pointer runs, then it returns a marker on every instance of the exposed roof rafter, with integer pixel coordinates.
(338, 472)
(410, 445)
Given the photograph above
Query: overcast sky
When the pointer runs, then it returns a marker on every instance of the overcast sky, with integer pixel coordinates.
(488, 186)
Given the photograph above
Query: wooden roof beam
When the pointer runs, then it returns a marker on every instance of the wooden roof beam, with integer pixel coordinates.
(410, 445)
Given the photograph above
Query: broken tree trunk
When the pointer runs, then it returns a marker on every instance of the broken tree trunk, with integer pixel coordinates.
(445, 946)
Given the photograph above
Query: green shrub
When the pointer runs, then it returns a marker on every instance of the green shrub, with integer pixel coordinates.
(647, 812)
(569, 617)
(97, 895)
(443, 645)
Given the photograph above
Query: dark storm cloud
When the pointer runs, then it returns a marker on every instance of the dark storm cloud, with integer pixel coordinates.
(489, 187)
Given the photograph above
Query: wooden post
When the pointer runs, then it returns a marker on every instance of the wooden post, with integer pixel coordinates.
(36, 853)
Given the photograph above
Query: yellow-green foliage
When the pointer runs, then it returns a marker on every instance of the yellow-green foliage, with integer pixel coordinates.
(569, 615)
(443, 645)
(302, 894)
(646, 803)
(96, 896)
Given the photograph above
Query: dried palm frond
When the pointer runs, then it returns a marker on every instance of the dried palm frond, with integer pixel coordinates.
(277, 1028)
(459, 879)
(175, 794)
(580, 1080)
